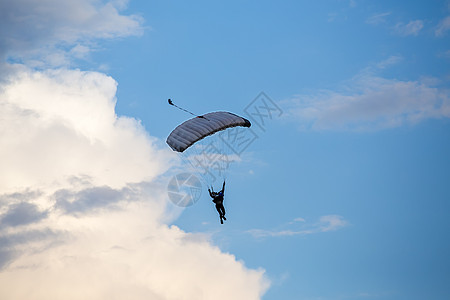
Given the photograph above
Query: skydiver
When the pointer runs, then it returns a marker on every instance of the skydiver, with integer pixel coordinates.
(218, 200)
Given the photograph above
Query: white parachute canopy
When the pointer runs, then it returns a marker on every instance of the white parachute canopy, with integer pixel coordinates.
(206, 151)
(195, 129)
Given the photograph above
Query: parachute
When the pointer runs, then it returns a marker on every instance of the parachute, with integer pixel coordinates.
(201, 142)
(195, 129)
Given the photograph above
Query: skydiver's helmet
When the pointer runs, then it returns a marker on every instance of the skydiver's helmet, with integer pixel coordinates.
(214, 194)
(220, 193)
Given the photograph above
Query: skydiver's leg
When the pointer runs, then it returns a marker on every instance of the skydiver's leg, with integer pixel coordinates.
(220, 213)
(222, 208)
(218, 209)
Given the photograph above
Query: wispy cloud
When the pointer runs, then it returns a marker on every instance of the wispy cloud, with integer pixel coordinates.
(377, 19)
(390, 61)
(324, 224)
(444, 54)
(402, 29)
(371, 102)
(411, 28)
(443, 27)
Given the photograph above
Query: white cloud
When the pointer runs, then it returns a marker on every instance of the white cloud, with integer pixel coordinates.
(123, 253)
(83, 204)
(378, 18)
(445, 54)
(79, 51)
(369, 102)
(392, 60)
(63, 122)
(331, 223)
(83, 194)
(325, 224)
(412, 28)
(443, 27)
(299, 220)
(31, 29)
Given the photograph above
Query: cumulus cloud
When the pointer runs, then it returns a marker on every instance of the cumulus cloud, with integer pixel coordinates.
(324, 224)
(83, 209)
(371, 102)
(83, 200)
(122, 253)
(63, 122)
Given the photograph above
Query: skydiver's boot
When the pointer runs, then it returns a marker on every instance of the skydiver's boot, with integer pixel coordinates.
(221, 221)
(223, 217)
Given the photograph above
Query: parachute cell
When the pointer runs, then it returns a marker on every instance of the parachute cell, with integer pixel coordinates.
(195, 129)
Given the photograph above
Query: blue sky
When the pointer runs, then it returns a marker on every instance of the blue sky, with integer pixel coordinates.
(343, 195)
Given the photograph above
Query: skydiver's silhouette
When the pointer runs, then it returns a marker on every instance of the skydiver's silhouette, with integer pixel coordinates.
(218, 200)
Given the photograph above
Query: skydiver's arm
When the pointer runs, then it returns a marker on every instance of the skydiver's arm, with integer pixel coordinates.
(210, 194)
(223, 186)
